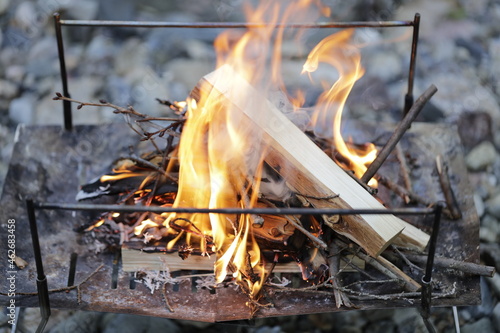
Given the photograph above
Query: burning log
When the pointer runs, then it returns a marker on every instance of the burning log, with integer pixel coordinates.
(306, 169)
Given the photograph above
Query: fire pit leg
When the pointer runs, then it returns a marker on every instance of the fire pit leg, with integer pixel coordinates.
(41, 279)
(427, 278)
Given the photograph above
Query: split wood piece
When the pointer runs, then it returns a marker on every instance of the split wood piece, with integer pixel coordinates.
(134, 260)
(306, 168)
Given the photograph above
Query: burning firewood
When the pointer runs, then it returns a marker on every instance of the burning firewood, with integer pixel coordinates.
(307, 170)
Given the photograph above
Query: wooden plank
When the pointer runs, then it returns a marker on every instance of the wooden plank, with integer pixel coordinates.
(134, 260)
(306, 168)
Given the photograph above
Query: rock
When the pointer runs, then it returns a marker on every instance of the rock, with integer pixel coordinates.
(132, 54)
(189, 72)
(80, 322)
(21, 110)
(8, 90)
(43, 58)
(478, 202)
(130, 324)
(382, 326)
(493, 206)
(100, 48)
(385, 65)
(15, 73)
(4, 4)
(474, 127)
(495, 316)
(482, 156)
(199, 50)
(495, 284)
(82, 10)
(490, 253)
(26, 16)
(490, 229)
(117, 10)
(482, 325)
(460, 89)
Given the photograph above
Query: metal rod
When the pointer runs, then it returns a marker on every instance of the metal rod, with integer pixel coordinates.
(425, 307)
(433, 242)
(403, 126)
(456, 320)
(41, 279)
(269, 211)
(211, 25)
(413, 59)
(68, 122)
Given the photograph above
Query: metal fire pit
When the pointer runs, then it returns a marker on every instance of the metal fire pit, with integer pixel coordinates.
(49, 164)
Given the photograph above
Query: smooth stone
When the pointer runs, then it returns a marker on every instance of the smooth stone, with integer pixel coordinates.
(483, 325)
(490, 229)
(494, 282)
(481, 156)
(82, 10)
(132, 54)
(386, 66)
(130, 324)
(189, 72)
(479, 203)
(22, 109)
(4, 5)
(495, 315)
(493, 206)
(8, 90)
(15, 73)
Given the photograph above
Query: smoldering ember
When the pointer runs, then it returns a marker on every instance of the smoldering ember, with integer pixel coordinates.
(255, 188)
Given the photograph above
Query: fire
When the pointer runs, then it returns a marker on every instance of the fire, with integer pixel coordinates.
(221, 156)
(336, 51)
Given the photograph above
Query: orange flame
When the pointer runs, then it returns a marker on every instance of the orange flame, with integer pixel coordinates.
(335, 50)
(221, 156)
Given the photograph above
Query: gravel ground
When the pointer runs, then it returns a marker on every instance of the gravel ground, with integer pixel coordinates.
(459, 52)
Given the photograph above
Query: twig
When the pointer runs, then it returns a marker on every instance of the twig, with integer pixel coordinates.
(296, 223)
(405, 171)
(462, 266)
(334, 267)
(387, 268)
(127, 112)
(402, 192)
(444, 180)
(406, 260)
(165, 297)
(398, 133)
(65, 289)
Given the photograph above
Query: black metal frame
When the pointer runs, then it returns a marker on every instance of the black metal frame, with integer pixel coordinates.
(31, 206)
(68, 124)
(42, 288)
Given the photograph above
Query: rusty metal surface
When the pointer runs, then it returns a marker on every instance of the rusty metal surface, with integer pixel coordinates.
(49, 164)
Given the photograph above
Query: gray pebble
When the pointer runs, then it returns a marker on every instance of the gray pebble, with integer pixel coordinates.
(483, 325)
(482, 156)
